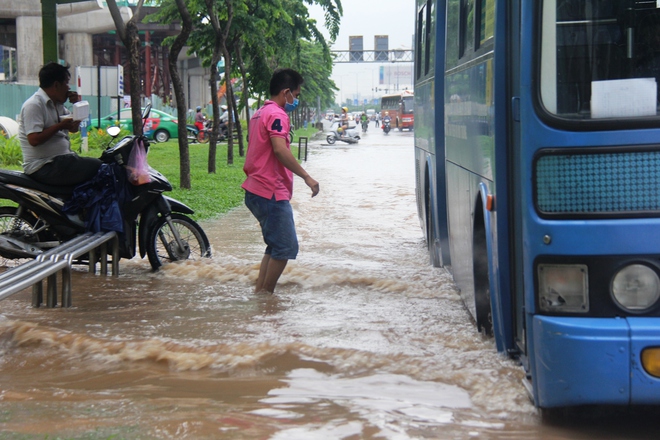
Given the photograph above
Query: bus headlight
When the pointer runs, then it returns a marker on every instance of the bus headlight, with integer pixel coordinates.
(636, 287)
(563, 288)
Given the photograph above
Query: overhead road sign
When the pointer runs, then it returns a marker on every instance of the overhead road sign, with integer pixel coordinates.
(374, 56)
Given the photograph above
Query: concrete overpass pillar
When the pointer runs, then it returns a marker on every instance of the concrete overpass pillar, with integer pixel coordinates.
(78, 49)
(29, 49)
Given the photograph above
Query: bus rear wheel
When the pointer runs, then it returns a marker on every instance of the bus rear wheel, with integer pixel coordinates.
(434, 256)
(481, 274)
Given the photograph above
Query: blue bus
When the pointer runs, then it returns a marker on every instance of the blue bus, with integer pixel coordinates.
(537, 155)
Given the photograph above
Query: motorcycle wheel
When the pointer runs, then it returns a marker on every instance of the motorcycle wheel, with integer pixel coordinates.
(331, 139)
(203, 137)
(11, 221)
(14, 225)
(161, 245)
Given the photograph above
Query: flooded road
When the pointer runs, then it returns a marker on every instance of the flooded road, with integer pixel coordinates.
(363, 339)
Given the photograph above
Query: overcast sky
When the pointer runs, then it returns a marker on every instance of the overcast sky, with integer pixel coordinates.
(395, 18)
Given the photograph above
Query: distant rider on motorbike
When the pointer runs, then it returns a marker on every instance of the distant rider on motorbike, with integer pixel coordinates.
(199, 119)
(363, 118)
(344, 121)
(387, 118)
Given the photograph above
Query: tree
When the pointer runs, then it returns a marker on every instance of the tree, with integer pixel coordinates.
(220, 34)
(128, 33)
(175, 49)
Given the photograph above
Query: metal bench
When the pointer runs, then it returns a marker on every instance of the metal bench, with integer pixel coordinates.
(60, 259)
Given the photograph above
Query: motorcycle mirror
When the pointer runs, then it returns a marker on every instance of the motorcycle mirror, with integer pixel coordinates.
(145, 114)
(113, 130)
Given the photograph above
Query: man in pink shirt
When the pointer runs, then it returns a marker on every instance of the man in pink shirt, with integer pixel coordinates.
(270, 166)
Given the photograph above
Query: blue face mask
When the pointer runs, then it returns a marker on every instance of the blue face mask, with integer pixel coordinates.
(291, 107)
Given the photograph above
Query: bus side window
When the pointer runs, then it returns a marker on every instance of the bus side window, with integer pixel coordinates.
(430, 35)
(421, 40)
(466, 28)
(452, 35)
(484, 21)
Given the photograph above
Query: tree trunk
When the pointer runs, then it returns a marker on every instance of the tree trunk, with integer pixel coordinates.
(175, 49)
(128, 33)
(213, 141)
(239, 128)
(241, 68)
(220, 38)
(231, 104)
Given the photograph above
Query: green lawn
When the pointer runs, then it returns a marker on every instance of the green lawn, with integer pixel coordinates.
(211, 194)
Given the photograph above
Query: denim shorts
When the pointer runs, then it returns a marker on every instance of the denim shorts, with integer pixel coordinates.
(277, 227)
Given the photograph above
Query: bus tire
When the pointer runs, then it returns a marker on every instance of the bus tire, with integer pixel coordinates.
(480, 273)
(434, 254)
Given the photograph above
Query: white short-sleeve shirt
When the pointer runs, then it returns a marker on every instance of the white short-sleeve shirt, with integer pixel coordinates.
(38, 113)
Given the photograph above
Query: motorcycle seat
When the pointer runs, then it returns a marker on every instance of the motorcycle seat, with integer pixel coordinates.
(21, 179)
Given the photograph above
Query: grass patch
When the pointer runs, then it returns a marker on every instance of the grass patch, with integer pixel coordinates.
(210, 194)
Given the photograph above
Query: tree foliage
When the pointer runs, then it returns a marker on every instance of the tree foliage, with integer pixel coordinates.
(256, 37)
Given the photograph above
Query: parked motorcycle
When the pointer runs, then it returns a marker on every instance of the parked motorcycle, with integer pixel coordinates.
(386, 126)
(155, 222)
(350, 137)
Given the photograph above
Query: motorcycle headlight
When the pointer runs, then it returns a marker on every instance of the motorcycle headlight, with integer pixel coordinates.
(636, 288)
(563, 288)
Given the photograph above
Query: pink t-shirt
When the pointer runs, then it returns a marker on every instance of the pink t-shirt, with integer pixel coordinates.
(266, 176)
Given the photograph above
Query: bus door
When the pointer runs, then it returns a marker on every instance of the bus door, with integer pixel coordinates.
(514, 168)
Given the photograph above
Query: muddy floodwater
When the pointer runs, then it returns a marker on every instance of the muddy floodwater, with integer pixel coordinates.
(362, 340)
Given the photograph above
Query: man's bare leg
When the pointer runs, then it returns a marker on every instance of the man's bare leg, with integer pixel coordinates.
(269, 272)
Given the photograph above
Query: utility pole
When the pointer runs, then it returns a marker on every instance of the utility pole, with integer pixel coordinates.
(50, 36)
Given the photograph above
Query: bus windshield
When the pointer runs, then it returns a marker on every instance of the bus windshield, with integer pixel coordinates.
(600, 58)
(407, 105)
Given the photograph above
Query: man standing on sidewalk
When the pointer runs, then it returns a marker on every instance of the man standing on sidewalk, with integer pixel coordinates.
(270, 166)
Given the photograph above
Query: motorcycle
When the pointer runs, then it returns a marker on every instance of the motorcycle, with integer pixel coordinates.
(157, 223)
(386, 126)
(196, 135)
(365, 126)
(350, 137)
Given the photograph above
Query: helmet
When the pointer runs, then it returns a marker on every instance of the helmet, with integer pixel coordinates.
(340, 129)
(345, 109)
(199, 108)
(387, 113)
(223, 108)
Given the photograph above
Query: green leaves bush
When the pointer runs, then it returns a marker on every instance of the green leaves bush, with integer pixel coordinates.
(97, 139)
(10, 151)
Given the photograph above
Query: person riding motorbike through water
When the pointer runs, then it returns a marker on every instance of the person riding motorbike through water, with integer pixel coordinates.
(364, 119)
(343, 124)
(199, 119)
(387, 118)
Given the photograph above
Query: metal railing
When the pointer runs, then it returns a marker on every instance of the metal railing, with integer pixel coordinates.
(60, 259)
(301, 140)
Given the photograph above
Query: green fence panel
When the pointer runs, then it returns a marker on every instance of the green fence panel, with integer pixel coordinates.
(12, 97)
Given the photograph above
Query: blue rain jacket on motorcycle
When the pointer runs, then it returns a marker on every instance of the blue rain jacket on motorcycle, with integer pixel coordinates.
(102, 199)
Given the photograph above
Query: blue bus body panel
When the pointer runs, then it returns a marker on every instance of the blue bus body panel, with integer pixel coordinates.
(645, 332)
(579, 361)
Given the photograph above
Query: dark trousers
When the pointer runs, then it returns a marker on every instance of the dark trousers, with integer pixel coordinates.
(67, 170)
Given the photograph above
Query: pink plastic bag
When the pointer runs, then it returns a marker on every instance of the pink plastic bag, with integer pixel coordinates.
(137, 167)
